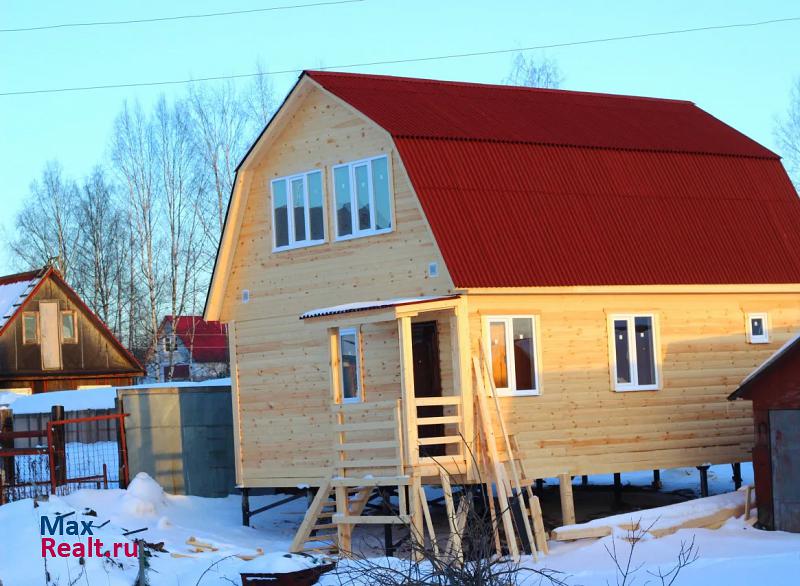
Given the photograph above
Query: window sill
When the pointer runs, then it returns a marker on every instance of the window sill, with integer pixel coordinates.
(298, 246)
(518, 393)
(364, 235)
(635, 389)
(351, 401)
(758, 342)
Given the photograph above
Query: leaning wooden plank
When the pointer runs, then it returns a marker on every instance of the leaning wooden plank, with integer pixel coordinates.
(426, 512)
(538, 522)
(511, 457)
(490, 441)
(748, 492)
(490, 495)
(447, 491)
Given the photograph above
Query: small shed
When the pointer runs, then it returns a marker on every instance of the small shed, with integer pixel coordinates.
(774, 389)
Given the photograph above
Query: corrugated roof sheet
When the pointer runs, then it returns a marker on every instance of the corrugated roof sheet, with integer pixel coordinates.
(529, 187)
(207, 341)
(369, 305)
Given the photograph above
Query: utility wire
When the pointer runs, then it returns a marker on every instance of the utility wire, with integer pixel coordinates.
(407, 60)
(170, 18)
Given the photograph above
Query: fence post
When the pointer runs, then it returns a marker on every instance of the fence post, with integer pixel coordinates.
(122, 447)
(6, 426)
(58, 449)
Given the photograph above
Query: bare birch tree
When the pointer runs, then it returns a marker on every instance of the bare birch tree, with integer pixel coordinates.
(46, 225)
(787, 133)
(534, 72)
(135, 158)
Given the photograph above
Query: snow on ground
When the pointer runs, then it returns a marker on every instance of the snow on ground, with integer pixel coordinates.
(168, 518)
(735, 555)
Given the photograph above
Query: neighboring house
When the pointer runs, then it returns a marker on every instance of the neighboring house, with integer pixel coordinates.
(189, 349)
(51, 341)
(625, 261)
(774, 389)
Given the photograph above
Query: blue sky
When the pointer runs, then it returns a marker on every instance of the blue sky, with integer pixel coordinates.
(742, 76)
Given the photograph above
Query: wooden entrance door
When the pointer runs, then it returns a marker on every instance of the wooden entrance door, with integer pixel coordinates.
(427, 380)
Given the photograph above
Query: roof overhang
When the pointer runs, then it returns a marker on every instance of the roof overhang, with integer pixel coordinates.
(382, 310)
(748, 386)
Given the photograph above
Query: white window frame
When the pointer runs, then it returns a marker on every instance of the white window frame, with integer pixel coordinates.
(359, 375)
(764, 338)
(511, 390)
(294, 244)
(351, 165)
(612, 351)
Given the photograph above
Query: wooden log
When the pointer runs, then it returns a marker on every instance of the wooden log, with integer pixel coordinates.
(567, 502)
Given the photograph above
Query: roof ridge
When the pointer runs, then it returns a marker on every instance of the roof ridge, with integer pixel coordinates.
(504, 87)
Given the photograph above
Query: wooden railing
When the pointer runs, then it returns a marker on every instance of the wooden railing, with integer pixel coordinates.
(449, 443)
(368, 439)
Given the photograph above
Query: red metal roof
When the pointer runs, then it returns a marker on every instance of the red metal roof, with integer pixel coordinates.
(207, 341)
(532, 187)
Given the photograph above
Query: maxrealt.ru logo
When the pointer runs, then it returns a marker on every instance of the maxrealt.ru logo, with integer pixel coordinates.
(93, 547)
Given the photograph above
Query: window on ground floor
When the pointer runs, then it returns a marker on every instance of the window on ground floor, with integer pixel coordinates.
(512, 346)
(633, 352)
(350, 364)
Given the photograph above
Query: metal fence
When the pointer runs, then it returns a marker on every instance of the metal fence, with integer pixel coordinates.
(64, 455)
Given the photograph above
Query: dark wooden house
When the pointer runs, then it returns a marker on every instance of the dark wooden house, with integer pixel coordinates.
(51, 341)
(774, 389)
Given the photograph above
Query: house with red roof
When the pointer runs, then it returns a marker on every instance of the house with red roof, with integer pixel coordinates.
(612, 266)
(51, 341)
(189, 349)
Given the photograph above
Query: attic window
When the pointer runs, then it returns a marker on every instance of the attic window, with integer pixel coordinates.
(363, 198)
(30, 327)
(757, 331)
(297, 211)
(69, 327)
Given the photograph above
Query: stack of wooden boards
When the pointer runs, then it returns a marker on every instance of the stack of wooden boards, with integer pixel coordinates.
(651, 522)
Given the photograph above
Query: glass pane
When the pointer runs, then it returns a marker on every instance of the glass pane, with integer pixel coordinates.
(645, 356)
(344, 216)
(362, 197)
(67, 326)
(524, 359)
(380, 187)
(348, 350)
(757, 326)
(299, 207)
(29, 323)
(281, 224)
(315, 206)
(621, 347)
(497, 339)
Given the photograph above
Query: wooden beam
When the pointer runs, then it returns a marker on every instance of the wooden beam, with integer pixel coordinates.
(407, 387)
(567, 502)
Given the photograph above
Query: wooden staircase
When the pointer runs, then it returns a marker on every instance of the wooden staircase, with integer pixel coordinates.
(372, 429)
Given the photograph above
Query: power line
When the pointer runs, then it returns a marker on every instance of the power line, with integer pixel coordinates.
(406, 60)
(171, 18)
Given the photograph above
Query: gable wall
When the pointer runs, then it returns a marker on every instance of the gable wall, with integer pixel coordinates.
(93, 353)
(282, 363)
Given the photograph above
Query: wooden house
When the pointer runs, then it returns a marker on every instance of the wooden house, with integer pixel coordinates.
(51, 341)
(614, 265)
(189, 348)
(774, 389)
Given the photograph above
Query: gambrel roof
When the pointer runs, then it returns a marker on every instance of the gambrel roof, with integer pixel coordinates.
(528, 187)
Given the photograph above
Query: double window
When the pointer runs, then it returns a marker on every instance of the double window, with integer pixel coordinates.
(350, 365)
(511, 342)
(297, 208)
(362, 198)
(633, 352)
